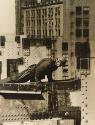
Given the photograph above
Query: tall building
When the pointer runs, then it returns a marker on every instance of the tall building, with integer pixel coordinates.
(44, 22)
(10, 56)
(19, 4)
(79, 32)
(70, 25)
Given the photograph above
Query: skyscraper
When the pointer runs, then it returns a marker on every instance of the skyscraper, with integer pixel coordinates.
(19, 4)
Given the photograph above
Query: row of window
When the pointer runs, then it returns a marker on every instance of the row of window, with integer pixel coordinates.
(82, 32)
(43, 12)
(82, 22)
(57, 22)
(44, 27)
(82, 10)
(44, 32)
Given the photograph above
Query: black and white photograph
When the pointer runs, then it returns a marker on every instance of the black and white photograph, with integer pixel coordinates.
(47, 62)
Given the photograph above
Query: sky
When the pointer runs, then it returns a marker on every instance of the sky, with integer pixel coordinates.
(7, 16)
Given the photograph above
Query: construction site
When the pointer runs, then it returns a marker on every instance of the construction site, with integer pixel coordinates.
(47, 67)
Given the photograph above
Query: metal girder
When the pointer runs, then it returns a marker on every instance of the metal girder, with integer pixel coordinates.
(32, 88)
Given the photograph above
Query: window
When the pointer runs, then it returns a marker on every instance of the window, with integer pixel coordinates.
(78, 10)
(85, 32)
(65, 46)
(33, 13)
(2, 43)
(78, 32)
(85, 11)
(58, 32)
(38, 32)
(38, 13)
(78, 22)
(20, 61)
(85, 23)
(2, 40)
(84, 63)
(45, 32)
(25, 43)
(82, 50)
(48, 43)
(55, 11)
(17, 39)
(27, 22)
(11, 67)
(28, 13)
(51, 11)
(58, 10)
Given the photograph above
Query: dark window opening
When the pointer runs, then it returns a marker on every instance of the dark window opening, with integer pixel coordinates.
(84, 63)
(26, 43)
(2, 40)
(20, 61)
(78, 10)
(59, 32)
(65, 46)
(85, 11)
(86, 33)
(17, 39)
(2, 43)
(82, 50)
(78, 32)
(86, 23)
(78, 22)
(48, 43)
(12, 67)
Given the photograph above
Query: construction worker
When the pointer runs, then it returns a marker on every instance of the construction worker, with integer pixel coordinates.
(46, 67)
(37, 72)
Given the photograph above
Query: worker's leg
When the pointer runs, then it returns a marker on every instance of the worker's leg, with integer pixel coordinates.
(37, 78)
(49, 76)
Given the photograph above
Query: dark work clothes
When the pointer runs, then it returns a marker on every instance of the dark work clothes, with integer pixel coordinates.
(26, 75)
(37, 72)
(45, 67)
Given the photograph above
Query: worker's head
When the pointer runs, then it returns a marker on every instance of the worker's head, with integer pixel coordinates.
(61, 62)
(57, 62)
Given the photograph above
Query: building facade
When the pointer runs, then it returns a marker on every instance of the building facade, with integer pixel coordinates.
(79, 31)
(71, 23)
(66, 22)
(19, 13)
(45, 22)
(9, 56)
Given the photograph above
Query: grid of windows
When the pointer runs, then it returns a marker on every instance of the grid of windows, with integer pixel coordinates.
(43, 21)
(82, 22)
(82, 31)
